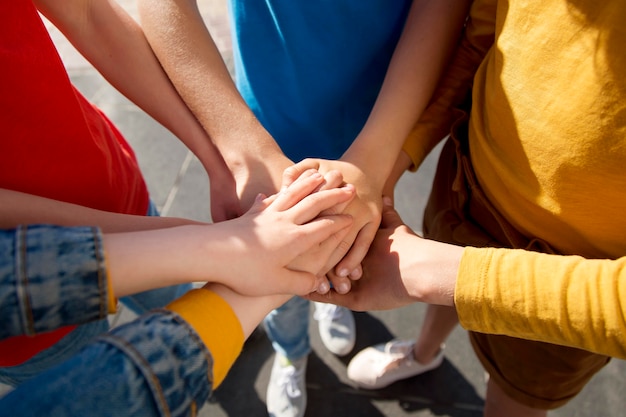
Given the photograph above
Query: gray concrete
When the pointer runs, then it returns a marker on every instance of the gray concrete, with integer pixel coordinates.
(179, 186)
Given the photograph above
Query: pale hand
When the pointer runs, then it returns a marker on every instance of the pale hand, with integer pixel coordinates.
(282, 242)
(344, 264)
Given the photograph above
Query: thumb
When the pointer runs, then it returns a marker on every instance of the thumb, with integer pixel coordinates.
(300, 283)
(390, 217)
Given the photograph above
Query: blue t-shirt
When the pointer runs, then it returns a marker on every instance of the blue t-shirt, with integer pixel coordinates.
(311, 70)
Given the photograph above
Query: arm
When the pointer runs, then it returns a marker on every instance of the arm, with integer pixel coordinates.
(143, 357)
(116, 46)
(430, 34)
(580, 306)
(177, 34)
(52, 276)
(455, 85)
(18, 208)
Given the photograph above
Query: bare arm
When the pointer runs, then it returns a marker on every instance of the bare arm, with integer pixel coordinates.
(430, 35)
(19, 208)
(115, 44)
(277, 247)
(178, 35)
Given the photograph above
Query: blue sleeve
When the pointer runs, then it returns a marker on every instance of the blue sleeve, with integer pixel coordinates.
(155, 365)
(50, 276)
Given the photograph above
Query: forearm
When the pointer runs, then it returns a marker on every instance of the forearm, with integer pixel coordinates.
(115, 44)
(177, 34)
(429, 37)
(578, 305)
(455, 85)
(18, 208)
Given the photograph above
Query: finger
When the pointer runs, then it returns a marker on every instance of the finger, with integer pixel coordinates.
(327, 246)
(306, 184)
(332, 297)
(349, 266)
(298, 283)
(291, 174)
(341, 285)
(313, 205)
(261, 202)
(333, 179)
(328, 231)
(322, 285)
(390, 217)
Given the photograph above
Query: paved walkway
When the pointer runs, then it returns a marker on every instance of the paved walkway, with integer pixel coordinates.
(179, 186)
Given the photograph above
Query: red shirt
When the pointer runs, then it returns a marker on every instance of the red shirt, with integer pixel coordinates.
(54, 142)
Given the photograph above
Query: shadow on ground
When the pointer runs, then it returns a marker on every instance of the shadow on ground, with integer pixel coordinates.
(444, 391)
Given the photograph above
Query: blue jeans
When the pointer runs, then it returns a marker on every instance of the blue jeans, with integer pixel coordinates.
(288, 328)
(75, 340)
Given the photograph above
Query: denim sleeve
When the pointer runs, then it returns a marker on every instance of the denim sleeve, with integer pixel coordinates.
(155, 365)
(50, 276)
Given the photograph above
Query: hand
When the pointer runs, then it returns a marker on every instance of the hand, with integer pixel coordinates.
(365, 210)
(224, 199)
(401, 268)
(282, 242)
(260, 176)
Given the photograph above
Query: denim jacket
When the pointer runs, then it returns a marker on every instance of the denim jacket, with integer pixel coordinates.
(156, 365)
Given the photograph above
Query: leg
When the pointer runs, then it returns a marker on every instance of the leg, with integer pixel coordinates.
(437, 326)
(288, 329)
(497, 403)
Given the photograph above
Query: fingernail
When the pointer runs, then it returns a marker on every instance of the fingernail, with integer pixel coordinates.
(343, 288)
(355, 274)
(343, 272)
(323, 288)
(387, 201)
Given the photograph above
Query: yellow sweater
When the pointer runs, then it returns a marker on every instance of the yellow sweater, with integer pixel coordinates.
(548, 143)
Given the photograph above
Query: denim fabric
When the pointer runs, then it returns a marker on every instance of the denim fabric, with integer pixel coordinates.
(51, 276)
(153, 366)
(288, 328)
(85, 297)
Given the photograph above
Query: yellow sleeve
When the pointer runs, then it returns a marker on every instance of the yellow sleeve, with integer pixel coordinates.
(566, 300)
(216, 324)
(454, 85)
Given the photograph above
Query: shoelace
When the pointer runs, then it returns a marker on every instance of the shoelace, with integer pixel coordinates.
(288, 380)
(327, 311)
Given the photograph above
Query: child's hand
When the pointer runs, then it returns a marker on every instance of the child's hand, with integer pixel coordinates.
(282, 243)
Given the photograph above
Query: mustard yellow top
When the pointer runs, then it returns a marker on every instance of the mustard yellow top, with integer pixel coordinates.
(216, 324)
(547, 138)
(581, 304)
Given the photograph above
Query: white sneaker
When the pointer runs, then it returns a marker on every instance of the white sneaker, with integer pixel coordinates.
(286, 392)
(337, 328)
(381, 365)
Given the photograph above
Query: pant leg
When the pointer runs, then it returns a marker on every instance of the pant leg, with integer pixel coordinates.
(288, 328)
